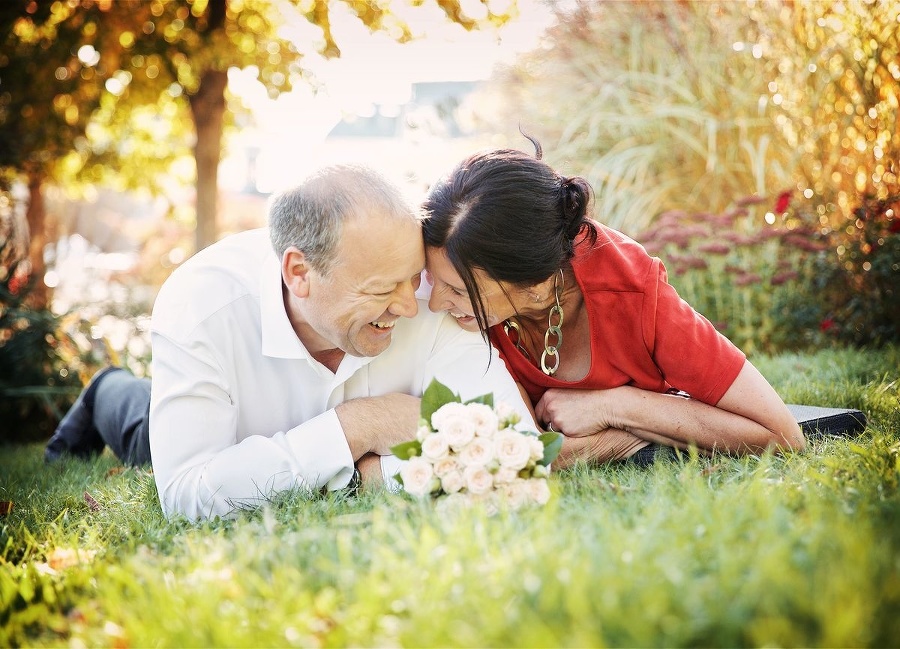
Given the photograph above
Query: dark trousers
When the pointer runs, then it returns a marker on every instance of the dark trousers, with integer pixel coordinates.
(121, 408)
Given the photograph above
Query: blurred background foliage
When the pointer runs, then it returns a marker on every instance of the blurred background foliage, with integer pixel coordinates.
(103, 93)
(753, 145)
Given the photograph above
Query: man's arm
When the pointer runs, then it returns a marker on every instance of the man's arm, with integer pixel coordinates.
(375, 424)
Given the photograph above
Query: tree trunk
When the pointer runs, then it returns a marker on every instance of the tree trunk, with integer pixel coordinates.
(36, 216)
(208, 112)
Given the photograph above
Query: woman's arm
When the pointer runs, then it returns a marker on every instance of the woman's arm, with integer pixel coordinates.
(749, 418)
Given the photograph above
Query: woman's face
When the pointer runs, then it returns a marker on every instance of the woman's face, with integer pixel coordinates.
(448, 292)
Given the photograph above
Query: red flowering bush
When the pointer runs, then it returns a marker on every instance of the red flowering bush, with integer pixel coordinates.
(738, 267)
(770, 276)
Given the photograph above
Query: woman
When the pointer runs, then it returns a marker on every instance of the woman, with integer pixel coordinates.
(586, 321)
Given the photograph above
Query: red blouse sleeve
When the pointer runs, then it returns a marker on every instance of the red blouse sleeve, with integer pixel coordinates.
(691, 354)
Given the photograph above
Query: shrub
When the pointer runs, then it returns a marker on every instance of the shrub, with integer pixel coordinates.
(739, 267)
(774, 276)
(35, 379)
(852, 293)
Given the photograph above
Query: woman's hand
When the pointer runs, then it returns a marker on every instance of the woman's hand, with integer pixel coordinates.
(750, 417)
(577, 413)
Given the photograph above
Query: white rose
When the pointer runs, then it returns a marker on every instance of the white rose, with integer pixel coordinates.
(537, 448)
(418, 476)
(459, 431)
(478, 452)
(435, 447)
(422, 432)
(478, 479)
(513, 450)
(516, 493)
(538, 491)
(484, 418)
(506, 415)
(445, 465)
(452, 409)
(505, 475)
(452, 482)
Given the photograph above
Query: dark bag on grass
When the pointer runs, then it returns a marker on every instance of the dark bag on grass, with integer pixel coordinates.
(815, 421)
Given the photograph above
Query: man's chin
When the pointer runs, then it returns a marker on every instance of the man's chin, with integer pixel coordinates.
(371, 347)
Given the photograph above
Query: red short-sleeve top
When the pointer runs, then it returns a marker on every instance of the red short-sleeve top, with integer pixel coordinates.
(643, 333)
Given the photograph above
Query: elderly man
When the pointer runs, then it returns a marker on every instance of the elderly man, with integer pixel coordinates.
(274, 369)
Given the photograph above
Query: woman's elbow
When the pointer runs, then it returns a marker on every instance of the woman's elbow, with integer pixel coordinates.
(788, 439)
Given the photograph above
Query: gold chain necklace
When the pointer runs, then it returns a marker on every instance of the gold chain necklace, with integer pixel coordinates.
(514, 332)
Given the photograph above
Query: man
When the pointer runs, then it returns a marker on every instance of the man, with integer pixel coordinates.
(278, 370)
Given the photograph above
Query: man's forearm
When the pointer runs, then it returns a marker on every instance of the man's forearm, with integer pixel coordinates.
(375, 424)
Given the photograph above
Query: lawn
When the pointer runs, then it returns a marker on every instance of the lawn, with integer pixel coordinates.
(801, 550)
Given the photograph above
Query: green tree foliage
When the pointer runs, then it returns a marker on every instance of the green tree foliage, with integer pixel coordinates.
(161, 61)
(51, 80)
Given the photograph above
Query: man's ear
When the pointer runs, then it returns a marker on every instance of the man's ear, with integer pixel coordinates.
(295, 272)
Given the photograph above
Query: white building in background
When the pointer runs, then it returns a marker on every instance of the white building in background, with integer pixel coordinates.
(412, 143)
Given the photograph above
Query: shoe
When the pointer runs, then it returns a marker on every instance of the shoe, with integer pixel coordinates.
(76, 434)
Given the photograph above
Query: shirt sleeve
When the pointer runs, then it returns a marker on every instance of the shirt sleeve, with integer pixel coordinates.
(689, 351)
(200, 468)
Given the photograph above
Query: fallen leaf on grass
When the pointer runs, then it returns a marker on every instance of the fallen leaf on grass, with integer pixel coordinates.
(92, 502)
(116, 470)
(62, 558)
(6, 507)
(710, 469)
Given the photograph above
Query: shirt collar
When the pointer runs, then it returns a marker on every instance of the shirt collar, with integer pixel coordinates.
(279, 340)
(278, 337)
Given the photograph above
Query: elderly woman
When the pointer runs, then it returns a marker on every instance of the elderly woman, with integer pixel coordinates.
(604, 347)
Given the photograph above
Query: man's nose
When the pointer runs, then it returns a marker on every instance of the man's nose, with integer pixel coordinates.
(406, 305)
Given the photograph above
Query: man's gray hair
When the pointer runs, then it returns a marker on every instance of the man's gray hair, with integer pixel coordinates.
(310, 216)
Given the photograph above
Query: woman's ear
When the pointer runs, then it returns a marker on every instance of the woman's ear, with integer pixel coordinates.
(295, 272)
(543, 291)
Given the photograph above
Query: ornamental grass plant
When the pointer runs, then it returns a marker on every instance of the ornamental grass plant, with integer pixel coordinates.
(800, 550)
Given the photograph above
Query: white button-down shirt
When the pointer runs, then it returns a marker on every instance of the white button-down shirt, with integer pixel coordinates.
(239, 408)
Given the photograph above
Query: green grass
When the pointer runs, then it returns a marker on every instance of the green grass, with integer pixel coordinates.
(758, 551)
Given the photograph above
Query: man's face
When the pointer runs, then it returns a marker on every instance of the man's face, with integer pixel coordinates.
(371, 285)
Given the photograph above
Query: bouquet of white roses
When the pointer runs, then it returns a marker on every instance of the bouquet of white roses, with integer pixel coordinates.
(467, 453)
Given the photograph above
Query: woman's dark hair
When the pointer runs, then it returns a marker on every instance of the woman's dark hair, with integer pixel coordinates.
(510, 215)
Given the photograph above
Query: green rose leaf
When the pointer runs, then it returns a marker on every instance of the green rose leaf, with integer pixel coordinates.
(552, 444)
(486, 399)
(407, 450)
(436, 395)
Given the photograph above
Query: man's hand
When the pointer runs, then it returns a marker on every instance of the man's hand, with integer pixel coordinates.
(369, 466)
(375, 424)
